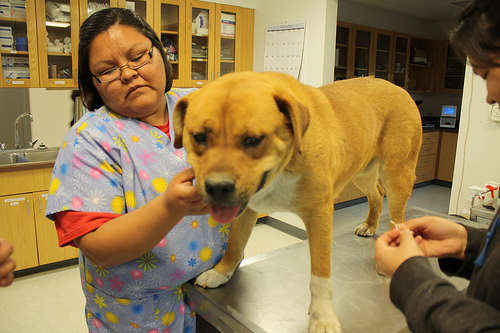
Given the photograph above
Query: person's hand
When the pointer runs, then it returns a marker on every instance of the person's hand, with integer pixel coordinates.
(438, 237)
(393, 248)
(182, 198)
(7, 265)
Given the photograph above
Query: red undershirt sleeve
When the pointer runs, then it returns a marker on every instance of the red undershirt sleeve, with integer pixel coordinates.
(71, 225)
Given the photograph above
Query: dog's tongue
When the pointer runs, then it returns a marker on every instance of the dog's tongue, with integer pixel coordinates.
(224, 214)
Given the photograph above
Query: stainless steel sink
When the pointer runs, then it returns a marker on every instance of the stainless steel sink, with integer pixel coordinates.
(14, 156)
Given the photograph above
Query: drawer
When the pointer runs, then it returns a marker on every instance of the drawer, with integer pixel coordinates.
(427, 160)
(429, 149)
(430, 137)
(425, 173)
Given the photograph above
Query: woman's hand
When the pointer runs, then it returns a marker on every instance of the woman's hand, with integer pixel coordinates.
(182, 198)
(7, 265)
(393, 248)
(438, 237)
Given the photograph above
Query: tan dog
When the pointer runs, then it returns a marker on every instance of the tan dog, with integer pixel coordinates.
(265, 142)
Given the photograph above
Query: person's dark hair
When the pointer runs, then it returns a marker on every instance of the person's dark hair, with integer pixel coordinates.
(94, 25)
(477, 34)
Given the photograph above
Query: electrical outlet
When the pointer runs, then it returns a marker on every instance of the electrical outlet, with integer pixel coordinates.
(495, 113)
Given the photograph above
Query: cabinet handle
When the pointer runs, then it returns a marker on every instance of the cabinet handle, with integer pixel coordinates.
(39, 204)
(212, 76)
(28, 205)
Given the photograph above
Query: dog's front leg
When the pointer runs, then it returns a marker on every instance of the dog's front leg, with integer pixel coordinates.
(322, 316)
(240, 232)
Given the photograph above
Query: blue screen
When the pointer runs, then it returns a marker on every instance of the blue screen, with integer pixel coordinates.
(448, 111)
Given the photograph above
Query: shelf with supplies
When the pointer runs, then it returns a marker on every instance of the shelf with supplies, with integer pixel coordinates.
(49, 38)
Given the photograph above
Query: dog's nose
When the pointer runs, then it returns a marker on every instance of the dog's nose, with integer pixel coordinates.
(220, 188)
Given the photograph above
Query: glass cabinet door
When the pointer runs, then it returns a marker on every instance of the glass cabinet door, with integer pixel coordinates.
(382, 55)
(18, 46)
(169, 25)
(89, 7)
(227, 20)
(342, 55)
(362, 52)
(143, 8)
(58, 25)
(200, 43)
(402, 56)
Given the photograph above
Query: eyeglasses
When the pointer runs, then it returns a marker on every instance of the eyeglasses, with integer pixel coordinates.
(136, 62)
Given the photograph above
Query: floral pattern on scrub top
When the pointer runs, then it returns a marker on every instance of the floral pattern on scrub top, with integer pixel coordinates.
(113, 164)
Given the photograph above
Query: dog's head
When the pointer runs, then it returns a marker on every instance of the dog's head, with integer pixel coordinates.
(239, 132)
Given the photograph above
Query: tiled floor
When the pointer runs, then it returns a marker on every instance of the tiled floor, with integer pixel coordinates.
(52, 302)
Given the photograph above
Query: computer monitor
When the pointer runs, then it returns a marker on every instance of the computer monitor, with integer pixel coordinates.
(449, 111)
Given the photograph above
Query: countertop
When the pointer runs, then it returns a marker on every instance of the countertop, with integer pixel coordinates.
(270, 292)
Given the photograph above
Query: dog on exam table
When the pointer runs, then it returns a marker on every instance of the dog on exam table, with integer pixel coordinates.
(264, 142)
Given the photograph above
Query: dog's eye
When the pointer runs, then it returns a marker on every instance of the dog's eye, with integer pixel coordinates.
(200, 138)
(251, 142)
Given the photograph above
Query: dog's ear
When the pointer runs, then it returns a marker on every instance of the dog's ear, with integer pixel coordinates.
(296, 113)
(179, 114)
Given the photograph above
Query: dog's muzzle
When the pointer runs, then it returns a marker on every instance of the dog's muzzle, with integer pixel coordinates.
(221, 193)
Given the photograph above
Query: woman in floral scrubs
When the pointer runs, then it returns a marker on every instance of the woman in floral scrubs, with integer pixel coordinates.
(122, 193)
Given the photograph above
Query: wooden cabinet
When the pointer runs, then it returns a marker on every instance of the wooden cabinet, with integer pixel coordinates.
(426, 166)
(51, 54)
(57, 28)
(46, 235)
(421, 75)
(22, 212)
(220, 41)
(415, 64)
(343, 51)
(18, 226)
(19, 63)
(446, 156)
(364, 51)
(384, 55)
(170, 20)
(401, 60)
(234, 39)
(450, 70)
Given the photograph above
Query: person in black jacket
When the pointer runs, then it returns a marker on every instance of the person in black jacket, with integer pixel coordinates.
(430, 303)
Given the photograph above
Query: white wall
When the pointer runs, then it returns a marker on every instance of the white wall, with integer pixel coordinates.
(320, 17)
(478, 149)
(52, 112)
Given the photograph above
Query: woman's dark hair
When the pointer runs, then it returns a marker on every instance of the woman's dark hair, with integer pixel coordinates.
(99, 22)
(477, 34)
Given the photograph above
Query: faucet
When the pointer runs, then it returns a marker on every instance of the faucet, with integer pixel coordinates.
(16, 129)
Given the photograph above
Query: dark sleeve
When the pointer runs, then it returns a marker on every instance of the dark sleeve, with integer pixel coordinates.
(432, 304)
(454, 267)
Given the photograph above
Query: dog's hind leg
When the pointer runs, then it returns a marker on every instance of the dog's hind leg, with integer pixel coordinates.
(367, 181)
(399, 181)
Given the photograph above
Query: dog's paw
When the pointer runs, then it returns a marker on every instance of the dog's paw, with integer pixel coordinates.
(211, 279)
(323, 319)
(364, 230)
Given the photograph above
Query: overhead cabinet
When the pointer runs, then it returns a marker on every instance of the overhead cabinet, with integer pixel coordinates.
(19, 48)
(220, 41)
(58, 26)
(415, 64)
(203, 40)
(364, 51)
